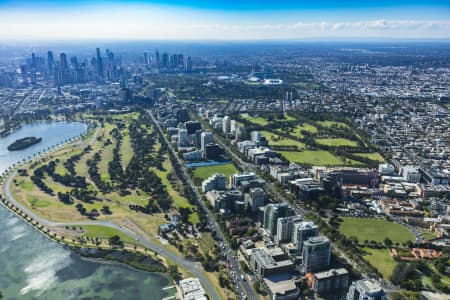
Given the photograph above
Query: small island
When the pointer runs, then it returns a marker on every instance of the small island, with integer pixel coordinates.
(24, 143)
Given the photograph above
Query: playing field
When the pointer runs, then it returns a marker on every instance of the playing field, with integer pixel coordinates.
(205, 172)
(375, 229)
(382, 260)
(313, 157)
(336, 142)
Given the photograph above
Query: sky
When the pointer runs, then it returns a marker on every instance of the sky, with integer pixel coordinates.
(224, 20)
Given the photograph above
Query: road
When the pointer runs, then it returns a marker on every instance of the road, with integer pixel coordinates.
(193, 267)
(244, 285)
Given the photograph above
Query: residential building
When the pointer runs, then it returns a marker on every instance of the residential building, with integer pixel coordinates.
(330, 281)
(316, 254)
(285, 228)
(366, 289)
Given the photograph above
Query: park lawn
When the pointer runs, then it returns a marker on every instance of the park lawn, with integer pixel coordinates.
(373, 156)
(205, 172)
(336, 142)
(102, 232)
(312, 157)
(375, 229)
(332, 124)
(275, 139)
(132, 198)
(206, 243)
(382, 260)
(256, 120)
(178, 200)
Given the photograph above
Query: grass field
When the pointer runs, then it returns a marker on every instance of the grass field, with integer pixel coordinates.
(101, 232)
(126, 151)
(275, 139)
(373, 156)
(332, 124)
(336, 142)
(382, 260)
(205, 172)
(375, 229)
(256, 120)
(313, 157)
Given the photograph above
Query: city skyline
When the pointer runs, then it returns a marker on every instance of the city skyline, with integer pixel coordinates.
(229, 20)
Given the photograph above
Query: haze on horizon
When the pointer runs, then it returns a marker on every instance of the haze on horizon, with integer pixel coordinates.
(223, 20)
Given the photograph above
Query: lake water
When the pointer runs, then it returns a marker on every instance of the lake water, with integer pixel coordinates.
(34, 267)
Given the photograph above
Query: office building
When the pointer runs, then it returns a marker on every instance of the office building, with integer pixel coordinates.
(268, 261)
(237, 179)
(215, 182)
(272, 212)
(213, 152)
(192, 126)
(366, 289)
(255, 199)
(316, 254)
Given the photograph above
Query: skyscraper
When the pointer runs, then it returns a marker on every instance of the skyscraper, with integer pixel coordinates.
(50, 62)
(99, 63)
(63, 61)
(316, 254)
(188, 65)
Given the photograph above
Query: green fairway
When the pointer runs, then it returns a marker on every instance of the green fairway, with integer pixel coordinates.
(313, 157)
(332, 124)
(178, 200)
(205, 172)
(275, 139)
(304, 127)
(256, 120)
(126, 151)
(382, 260)
(375, 229)
(373, 156)
(336, 142)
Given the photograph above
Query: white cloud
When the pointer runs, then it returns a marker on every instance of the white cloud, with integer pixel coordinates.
(158, 22)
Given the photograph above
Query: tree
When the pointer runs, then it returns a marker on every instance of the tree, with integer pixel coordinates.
(173, 271)
(115, 241)
(387, 242)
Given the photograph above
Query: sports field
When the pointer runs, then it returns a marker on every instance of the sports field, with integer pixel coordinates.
(375, 229)
(205, 172)
(312, 157)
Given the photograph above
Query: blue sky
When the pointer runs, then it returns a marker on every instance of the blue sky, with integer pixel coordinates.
(224, 20)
